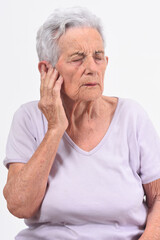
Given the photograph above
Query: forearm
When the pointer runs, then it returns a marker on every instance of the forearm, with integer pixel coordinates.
(152, 230)
(25, 191)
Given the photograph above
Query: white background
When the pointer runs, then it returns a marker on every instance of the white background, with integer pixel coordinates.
(132, 30)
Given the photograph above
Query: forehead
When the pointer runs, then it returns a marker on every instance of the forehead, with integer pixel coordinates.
(80, 39)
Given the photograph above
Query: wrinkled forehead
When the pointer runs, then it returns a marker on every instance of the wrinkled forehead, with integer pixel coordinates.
(80, 39)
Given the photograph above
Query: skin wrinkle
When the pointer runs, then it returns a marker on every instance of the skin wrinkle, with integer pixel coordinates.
(152, 191)
(76, 74)
(88, 111)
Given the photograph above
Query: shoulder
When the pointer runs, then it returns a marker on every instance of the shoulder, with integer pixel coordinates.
(27, 114)
(133, 113)
(29, 106)
(28, 109)
(128, 102)
(131, 106)
(126, 107)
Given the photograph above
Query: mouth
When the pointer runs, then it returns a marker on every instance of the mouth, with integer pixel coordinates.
(90, 84)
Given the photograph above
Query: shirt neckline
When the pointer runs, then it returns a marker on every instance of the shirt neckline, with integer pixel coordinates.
(96, 148)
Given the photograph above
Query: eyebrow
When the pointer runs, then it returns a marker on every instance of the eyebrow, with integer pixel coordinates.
(100, 51)
(83, 54)
(77, 53)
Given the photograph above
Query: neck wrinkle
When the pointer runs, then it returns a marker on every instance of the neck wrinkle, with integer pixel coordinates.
(81, 112)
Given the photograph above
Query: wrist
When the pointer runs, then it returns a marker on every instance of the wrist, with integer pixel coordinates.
(55, 131)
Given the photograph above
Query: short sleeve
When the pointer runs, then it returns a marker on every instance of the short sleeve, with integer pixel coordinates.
(149, 148)
(21, 142)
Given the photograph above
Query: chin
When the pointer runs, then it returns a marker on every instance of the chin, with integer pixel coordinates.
(90, 95)
(85, 95)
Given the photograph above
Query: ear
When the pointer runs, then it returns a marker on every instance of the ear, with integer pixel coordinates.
(43, 65)
(106, 59)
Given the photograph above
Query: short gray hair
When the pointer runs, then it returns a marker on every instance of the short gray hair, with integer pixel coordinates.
(56, 25)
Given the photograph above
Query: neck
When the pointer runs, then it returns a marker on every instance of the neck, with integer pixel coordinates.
(80, 112)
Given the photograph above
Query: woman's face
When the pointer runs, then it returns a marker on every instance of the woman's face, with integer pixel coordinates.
(82, 63)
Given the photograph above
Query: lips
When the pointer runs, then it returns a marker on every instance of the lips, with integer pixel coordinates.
(90, 84)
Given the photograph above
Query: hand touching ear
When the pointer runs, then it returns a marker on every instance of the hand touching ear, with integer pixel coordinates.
(50, 102)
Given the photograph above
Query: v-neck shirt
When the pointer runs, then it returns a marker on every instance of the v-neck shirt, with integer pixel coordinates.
(76, 147)
(91, 195)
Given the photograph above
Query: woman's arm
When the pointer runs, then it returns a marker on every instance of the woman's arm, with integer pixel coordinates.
(26, 183)
(152, 230)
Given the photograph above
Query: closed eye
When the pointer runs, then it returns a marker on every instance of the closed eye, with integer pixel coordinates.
(76, 60)
(98, 58)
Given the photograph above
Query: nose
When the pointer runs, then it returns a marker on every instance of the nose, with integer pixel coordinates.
(89, 65)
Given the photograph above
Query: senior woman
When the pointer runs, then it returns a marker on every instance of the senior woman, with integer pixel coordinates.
(80, 163)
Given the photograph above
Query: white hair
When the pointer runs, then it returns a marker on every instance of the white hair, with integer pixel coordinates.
(56, 25)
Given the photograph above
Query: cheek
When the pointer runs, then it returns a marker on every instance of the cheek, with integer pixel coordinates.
(69, 85)
(72, 86)
(66, 73)
(71, 76)
(103, 72)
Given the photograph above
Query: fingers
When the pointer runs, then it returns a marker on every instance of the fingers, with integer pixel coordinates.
(50, 80)
(53, 78)
(45, 72)
(43, 75)
(58, 84)
(48, 76)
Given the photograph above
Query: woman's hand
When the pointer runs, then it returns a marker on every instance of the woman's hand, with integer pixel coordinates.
(50, 101)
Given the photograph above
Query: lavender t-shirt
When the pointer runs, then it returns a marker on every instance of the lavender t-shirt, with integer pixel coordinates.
(95, 195)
